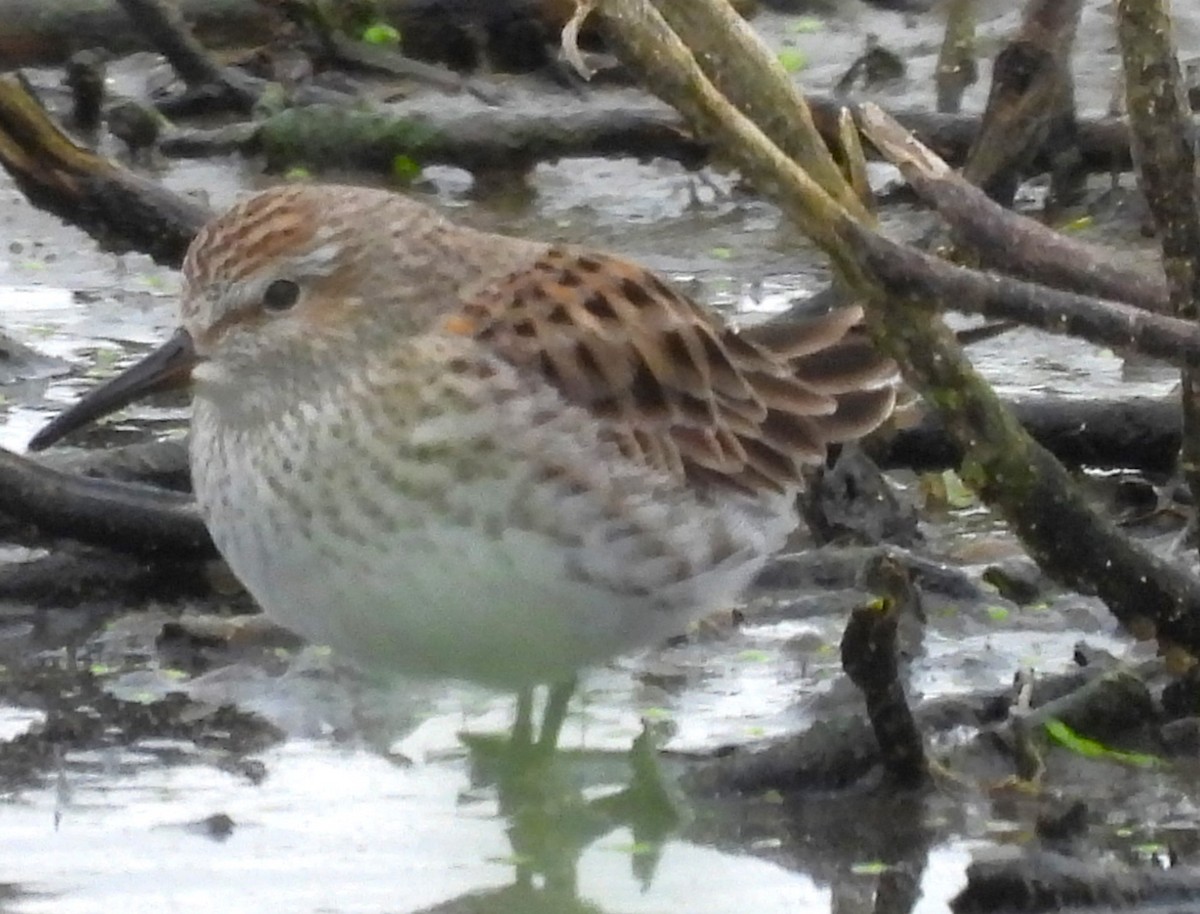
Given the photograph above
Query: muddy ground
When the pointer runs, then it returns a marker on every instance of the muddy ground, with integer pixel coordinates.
(137, 777)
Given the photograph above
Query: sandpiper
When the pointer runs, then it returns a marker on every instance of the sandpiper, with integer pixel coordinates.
(457, 454)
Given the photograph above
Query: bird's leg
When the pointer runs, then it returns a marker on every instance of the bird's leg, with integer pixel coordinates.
(522, 734)
(557, 703)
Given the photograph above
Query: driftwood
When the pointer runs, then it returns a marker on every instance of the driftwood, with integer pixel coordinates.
(637, 132)
(870, 657)
(835, 754)
(45, 32)
(1158, 113)
(715, 34)
(164, 27)
(956, 67)
(1136, 433)
(124, 211)
(330, 133)
(907, 271)
(1106, 708)
(1031, 105)
(1104, 143)
(1019, 246)
(360, 55)
(210, 85)
(1041, 880)
(481, 141)
(508, 35)
(118, 207)
(162, 464)
(1103, 700)
(154, 467)
(102, 577)
(124, 516)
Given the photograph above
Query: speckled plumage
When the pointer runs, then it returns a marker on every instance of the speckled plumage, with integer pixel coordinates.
(472, 456)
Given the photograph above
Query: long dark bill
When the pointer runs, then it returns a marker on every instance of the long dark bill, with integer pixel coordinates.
(167, 367)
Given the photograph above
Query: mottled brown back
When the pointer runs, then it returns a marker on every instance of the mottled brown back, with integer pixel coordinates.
(677, 388)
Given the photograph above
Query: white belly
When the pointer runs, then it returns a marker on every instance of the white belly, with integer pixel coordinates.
(448, 602)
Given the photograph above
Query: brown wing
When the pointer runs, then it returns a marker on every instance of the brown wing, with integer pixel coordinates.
(677, 388)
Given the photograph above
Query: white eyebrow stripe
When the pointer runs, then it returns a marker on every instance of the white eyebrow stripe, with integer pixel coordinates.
(320, 261)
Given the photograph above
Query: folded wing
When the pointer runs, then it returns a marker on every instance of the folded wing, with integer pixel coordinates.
(675, 387)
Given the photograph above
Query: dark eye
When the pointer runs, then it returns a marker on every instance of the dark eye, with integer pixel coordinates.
(280, 295)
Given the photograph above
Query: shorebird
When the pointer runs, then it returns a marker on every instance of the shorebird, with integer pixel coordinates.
(456, 454)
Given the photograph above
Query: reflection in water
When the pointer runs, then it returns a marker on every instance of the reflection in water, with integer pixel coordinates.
(551, 821)
(871, 848)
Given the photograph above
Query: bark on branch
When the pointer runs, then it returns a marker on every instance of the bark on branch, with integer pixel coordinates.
(1159, 115)
(121, 209)
(1015, 475)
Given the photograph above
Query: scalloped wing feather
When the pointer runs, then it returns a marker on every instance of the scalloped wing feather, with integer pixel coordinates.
(676, 388)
